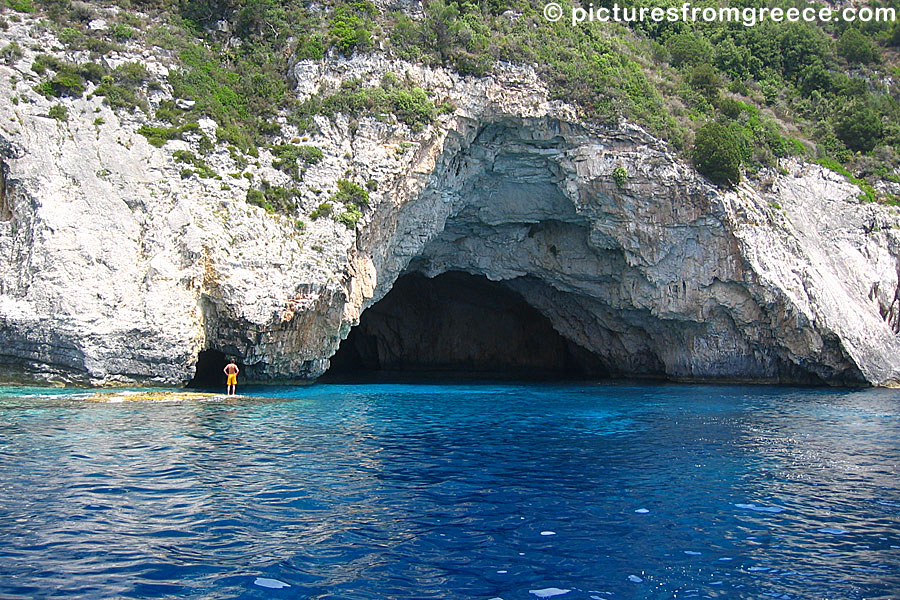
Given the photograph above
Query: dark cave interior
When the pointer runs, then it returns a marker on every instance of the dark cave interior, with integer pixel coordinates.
(210, 374)
(458, 325)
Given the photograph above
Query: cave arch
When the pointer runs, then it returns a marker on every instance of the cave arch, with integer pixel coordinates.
(459, 324)
(643, 275)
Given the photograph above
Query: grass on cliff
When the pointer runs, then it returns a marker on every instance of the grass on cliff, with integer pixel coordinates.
(825, 91)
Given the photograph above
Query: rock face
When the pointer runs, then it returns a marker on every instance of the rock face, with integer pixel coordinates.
(118, 270)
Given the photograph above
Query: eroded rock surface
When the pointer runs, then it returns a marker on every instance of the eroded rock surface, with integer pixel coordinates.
(116, 269)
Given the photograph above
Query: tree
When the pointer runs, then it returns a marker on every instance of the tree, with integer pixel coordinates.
(706, 80)
(815, 76)
(688, 49)
(801, 45)
(733, 59)
(717, 154)
(856, 47)
(894, 39)
(859, 127)
(206, 12)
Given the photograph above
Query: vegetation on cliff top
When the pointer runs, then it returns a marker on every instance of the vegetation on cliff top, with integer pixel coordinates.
(826, 91)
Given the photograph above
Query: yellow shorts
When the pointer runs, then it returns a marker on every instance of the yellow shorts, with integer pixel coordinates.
(232, 379)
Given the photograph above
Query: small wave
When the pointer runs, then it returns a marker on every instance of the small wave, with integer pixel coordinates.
(766, 509)
(549, 592)
(273, 584)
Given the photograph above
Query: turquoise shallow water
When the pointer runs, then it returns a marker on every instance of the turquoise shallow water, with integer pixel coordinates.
(454, 491)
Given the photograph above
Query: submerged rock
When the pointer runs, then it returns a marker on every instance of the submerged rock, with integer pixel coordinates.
(117, 269)
(157, 396)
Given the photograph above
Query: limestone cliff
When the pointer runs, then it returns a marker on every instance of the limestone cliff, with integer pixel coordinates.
(117, 269)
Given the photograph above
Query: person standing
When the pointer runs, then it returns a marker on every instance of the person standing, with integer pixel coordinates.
(231, 370)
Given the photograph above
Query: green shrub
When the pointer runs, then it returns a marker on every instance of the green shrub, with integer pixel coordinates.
(241, 90)
(705, 79)
(717, 154)
(68, 79)
(45, 89)
(349, 27)
(620, 176)
(310, 154)
(274, 198)
(93, 72)
(894, 39)
(23, 6)
(11, 53)
(67, 84)
(101, 46)
(43, 62)
(859, 127)
(688, 49)
(118, 96)
(257, 198)
(131, 74)
(349, 216)
(233, 134)
(730, 108)
(287, 155)
(58, 112)
(201, 168)
(81, 13)
(72, 38)
(158, 136)
(122, 87)
(310, 47)
(350, 193)
(323, 210)
(184, 156)
(123, 32)
(733, 59)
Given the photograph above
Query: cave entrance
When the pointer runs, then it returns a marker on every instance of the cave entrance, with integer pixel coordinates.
(209, 374)
(458, 325)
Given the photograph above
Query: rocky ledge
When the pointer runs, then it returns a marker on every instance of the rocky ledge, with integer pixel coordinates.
(116, 269)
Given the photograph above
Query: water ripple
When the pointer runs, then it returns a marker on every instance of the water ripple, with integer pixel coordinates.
(405, 491)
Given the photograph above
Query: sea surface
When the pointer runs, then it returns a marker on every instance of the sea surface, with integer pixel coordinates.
(468, 491)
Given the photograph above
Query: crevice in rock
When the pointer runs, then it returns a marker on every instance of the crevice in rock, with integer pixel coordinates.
(459, 324)
(5, 209)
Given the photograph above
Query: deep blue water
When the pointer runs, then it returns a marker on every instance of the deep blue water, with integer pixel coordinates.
(454, 491)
